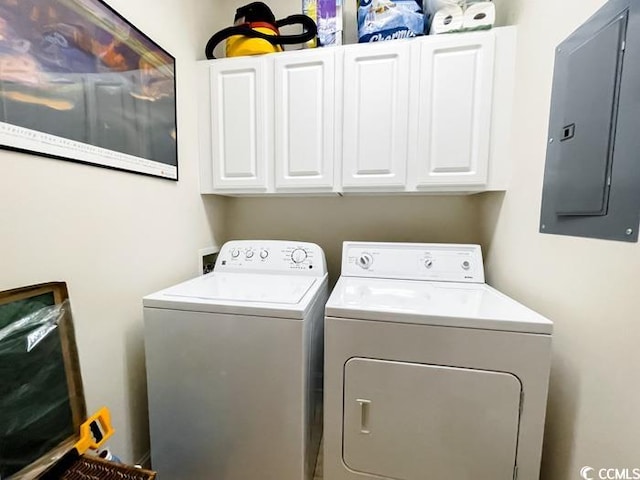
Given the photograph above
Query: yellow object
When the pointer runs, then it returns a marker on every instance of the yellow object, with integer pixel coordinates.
(256, 31)
(310, 8)
(95, 431)
(239, 45)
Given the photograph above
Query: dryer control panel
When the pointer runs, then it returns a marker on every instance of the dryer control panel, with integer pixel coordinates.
(271, 256)
(413, 261)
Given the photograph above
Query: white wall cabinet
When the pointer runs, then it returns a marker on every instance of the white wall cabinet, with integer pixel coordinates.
(376, 115)
(304, 120)
(424, 115)
(254, 110)
(454, 112)
(240, 125)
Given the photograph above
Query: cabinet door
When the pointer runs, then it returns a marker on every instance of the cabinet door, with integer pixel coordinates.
(240, 124)
(454, 124)
(304, 120)
(376, 115)
(414, 421)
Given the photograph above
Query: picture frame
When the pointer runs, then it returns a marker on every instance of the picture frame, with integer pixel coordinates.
(54, 402)
(79, 82)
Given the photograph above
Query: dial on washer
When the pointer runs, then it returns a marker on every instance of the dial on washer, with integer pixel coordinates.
(299, 255)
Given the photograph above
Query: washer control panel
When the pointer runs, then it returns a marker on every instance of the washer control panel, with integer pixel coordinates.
(271, 256)
(413, 261)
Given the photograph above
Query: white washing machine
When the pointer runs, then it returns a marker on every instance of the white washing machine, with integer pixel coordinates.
(234, 366)
(429, 372)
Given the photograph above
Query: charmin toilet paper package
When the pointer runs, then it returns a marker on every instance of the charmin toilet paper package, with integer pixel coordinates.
(380, 20)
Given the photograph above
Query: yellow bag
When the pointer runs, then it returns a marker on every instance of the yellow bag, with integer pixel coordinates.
(256, 31)
(240, 45)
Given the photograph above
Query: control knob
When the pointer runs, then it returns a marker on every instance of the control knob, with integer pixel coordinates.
(249, 254)
(299, 255)
(428, 263)
(235, 253)
(365, 261)
(264, 254)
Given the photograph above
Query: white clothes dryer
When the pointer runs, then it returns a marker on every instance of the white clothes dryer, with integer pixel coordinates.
(234, 366)
(429, 372)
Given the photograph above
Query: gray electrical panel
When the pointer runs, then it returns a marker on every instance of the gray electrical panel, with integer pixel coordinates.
(592, 173)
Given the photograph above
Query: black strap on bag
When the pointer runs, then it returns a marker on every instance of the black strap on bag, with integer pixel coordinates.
(259, 12)
(310, 29)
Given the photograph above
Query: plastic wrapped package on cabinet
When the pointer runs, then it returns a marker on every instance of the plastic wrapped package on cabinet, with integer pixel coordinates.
(380, 20)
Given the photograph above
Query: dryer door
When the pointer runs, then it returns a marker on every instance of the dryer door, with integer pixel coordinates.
(410, 421)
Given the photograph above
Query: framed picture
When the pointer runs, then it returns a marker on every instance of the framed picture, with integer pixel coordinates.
(78, 82)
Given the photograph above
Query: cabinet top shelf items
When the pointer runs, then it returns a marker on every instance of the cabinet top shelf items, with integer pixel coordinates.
(429, 114)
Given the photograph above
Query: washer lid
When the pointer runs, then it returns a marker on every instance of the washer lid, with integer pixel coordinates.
(464, 305)
(250, 294)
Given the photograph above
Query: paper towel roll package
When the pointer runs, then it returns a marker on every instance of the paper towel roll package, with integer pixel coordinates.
(446, 20)
(479, 16)
(460, 16)
(432, 6)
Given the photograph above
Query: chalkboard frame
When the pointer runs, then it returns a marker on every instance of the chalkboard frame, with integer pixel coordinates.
(72, 369)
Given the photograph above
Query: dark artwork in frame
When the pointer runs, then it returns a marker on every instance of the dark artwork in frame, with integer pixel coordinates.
(79, 82)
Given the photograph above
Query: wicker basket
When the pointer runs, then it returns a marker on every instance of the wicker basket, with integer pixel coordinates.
(89, 468)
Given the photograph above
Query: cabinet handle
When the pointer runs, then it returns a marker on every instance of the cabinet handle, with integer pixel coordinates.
(365, 406)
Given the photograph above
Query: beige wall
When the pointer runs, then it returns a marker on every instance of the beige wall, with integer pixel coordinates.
(588, 287)
(331, 220)
(112, 236)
